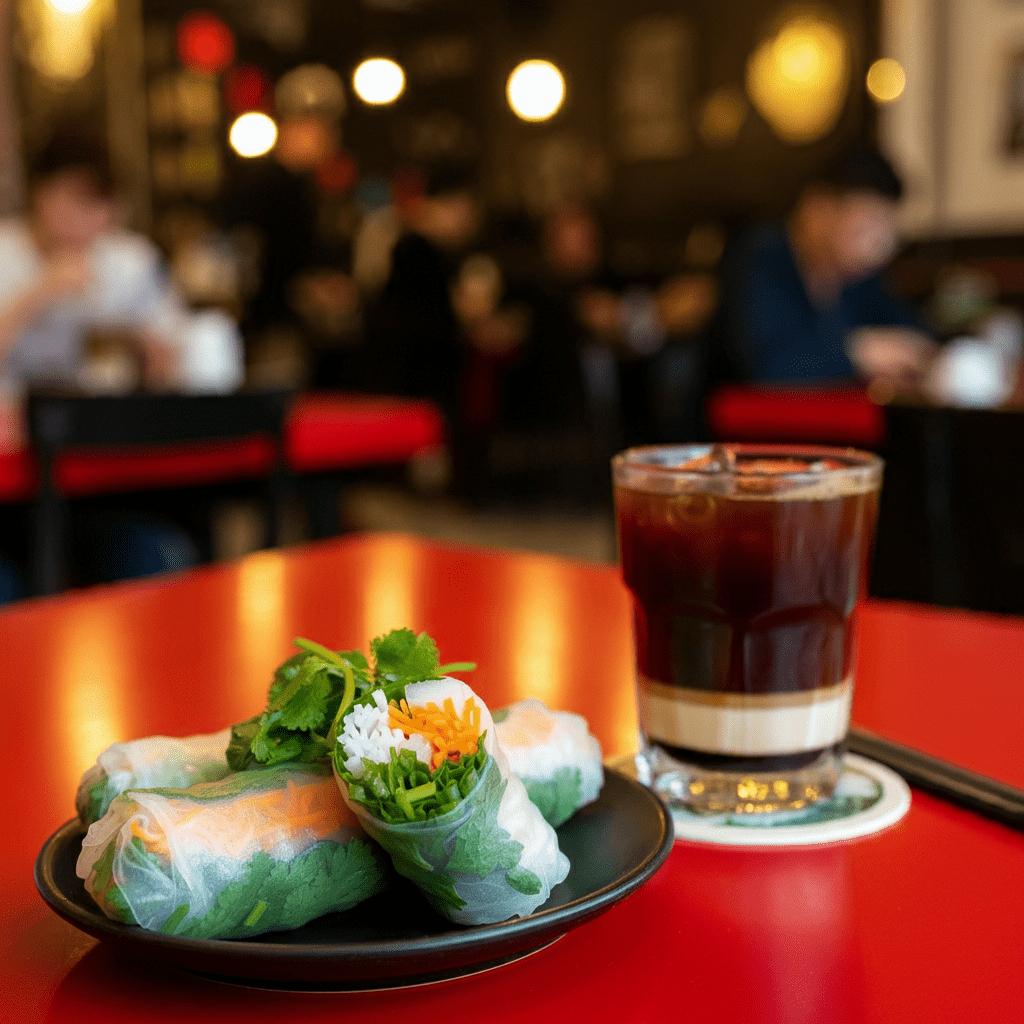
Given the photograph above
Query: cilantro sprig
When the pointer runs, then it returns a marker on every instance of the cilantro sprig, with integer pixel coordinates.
(314, 689)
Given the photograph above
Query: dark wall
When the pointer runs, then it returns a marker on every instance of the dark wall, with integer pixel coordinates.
(756, 172)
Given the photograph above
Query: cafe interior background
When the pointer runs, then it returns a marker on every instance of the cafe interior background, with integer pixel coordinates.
(659, 130)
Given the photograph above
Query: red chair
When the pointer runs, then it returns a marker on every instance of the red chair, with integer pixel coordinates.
(823, 415)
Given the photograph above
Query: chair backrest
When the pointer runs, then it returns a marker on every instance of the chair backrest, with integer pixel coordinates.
(951, 526)
(59, 422)
(63, 425)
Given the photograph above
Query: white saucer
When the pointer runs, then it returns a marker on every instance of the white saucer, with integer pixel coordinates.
(868, 798)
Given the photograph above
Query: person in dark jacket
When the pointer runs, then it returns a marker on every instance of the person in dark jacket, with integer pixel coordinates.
(804, 297)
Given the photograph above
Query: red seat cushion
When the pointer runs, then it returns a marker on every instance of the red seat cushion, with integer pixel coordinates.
(834, 415)
(323, 432)
(326, 432)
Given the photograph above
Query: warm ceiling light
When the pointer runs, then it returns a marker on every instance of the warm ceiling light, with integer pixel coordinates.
(798, 78)
(378, 81)
(886, 80)
(70, 7)
(253, 134)
(535, 90)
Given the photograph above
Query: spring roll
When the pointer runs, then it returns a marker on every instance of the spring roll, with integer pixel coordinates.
(149, 763)
(555, 755)
(259, 851)
(422, 769)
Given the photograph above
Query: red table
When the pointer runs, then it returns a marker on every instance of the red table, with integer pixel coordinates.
(922, 922)
(323, 432)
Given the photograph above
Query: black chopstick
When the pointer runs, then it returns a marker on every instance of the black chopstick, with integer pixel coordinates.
(979, 793)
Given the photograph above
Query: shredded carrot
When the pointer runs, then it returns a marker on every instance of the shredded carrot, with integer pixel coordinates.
(312, 809)
(450, 734)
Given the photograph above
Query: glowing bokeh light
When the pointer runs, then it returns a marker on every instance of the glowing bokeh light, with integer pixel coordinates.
(535, 90)
(59, 37)
(205, 44)
(253, 134)
(378, 81)
(886, 80)
(393, 587)
(246, 88)
(69, 7)
(94, 684)
(798, 79)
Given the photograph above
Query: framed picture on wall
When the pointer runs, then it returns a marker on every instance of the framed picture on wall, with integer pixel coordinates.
(957, 132)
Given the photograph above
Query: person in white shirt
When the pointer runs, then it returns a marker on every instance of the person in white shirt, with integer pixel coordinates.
(67, 272)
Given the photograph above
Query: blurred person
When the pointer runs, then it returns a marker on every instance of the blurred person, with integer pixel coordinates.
(273, 204)
(71, 274)
(525, 413)
(413, 331)
(804, 299)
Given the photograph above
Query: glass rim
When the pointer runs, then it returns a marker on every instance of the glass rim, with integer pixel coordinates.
(651, 459)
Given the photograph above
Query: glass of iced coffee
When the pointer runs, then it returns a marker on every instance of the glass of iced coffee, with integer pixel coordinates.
(745, 564)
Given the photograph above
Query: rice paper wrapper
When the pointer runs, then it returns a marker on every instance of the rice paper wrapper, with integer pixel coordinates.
(555, 755)
(154, 762)
(493, 856)
(262, 850)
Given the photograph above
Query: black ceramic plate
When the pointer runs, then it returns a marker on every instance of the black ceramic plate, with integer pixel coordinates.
(614, 845)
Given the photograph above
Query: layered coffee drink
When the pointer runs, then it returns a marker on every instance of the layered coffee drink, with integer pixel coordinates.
(745, 565)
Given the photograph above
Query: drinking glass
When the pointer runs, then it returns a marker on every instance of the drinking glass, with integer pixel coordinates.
(745, 564)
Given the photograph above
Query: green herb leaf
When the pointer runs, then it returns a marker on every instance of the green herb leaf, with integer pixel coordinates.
(559, 797)
(313, 690)
(456, 666)
(307, 704)
(405, 789)
(308, 694)
(401, 654)
(239, 752)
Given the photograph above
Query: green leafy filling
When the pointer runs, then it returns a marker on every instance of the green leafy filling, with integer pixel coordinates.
(277, 895)
(93, 803)
(270, 895)
(467, 840)
(105, 891)
(559, 797)
(404, 789)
